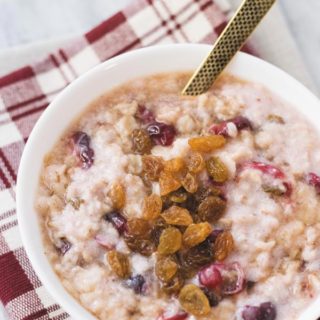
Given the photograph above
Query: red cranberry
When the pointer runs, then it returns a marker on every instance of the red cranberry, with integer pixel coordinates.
(251, 313)
(82, 147)
(266, 169)
(240, 122)
(266, 311)
(136, 283)
(314, 180)
(161, 133)
(210, 277)
(145, 115)
(179, 316)
(64, 246)
(118, 221)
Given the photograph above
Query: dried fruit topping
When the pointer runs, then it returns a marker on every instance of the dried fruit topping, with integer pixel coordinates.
(83, 150)
(275, 190)
(141, 142)
(117, 220)
(178, 196)
(142, 246)
(117, 195)
(195, 162)
(168, 183)
(161, 133)
(207, 143)
(170, 241)
(119, 263)
(166, 268)
(210, 277)
(139, 228)
(193, 300)
(158, 226)
(232, 276)
(179, 316)
(64, 246)
(211, 208)
(136, 283)
(240, 122)
(177, 216)
(223, 245)
(175, 165)
(265, 168)
(173, 286)
(266, 311)
(152, 167)
(213, 297)
(145, 115)
(196, 233)
(217, 170)
(190, 183)
(152, 207)
(314, 180)
(275, 118)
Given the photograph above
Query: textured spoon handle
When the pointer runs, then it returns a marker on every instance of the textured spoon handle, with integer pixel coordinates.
(246, 19)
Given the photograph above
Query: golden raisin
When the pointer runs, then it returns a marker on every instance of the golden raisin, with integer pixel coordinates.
(217, 170)
(170, 241)
(139, 228)
(141, 141)
(178, 196)
(152, 167)
(117, 195)
(207, 143)
(177, 216)
(223, 245)
(119, 263)
(166, 268)
(196, 233)
(142, 246)
(174, 165)
(195, 162)
(193, 300)
(168, 183)
(173, 286)
(152, 207)
(211, 208)
(190, 183)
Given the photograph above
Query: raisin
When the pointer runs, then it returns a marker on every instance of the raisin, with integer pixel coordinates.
(173, 286)
(152, 167)
(223, 245)
(274, 191)
(175, 165)
(217, 170)
(170, 241)
(117, 195)
(193, 300)
(207, 143)
(168, 183)
(190, 183)
(177, 216)
(166, 268)
(178, 196)
(142, 246)
(213, 297)
(211, 208)
(136, 283)
(195, 162)
(161, 133)
(117, 220)
(141, 142)
(275, 118)
(82, 148)
(196, 233)
(139, 228)
(158, 227)
(119, 263)
(152, 207)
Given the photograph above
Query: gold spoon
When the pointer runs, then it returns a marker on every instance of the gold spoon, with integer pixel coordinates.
(244, 22)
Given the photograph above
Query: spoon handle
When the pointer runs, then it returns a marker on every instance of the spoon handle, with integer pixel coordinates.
(244, 22)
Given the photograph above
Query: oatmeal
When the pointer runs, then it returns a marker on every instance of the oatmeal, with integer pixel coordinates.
(159, 206)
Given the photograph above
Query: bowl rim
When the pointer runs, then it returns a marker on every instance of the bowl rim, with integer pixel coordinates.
(53, 287)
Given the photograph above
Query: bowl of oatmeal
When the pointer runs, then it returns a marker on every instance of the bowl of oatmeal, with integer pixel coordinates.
(135, 202)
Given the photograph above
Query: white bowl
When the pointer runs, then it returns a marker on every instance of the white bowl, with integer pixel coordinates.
(74, 99)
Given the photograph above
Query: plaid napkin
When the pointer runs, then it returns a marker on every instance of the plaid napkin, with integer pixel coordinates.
(25, 94)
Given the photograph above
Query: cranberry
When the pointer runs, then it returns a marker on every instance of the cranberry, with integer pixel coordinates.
(64, 246)
(161, 133)
(240, 122)
(266, 311)
(314, 180)
(210, 277)
(179, 316)
(82, 147)
(145, 115)
(266, 169)
(136, 283)
(118, 221)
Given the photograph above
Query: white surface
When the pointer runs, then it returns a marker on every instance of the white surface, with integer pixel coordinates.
(103, 77)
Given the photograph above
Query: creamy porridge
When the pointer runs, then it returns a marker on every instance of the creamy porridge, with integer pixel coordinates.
(157, 206)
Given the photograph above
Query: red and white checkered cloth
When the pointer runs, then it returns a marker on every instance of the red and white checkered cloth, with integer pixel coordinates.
(25, 94)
